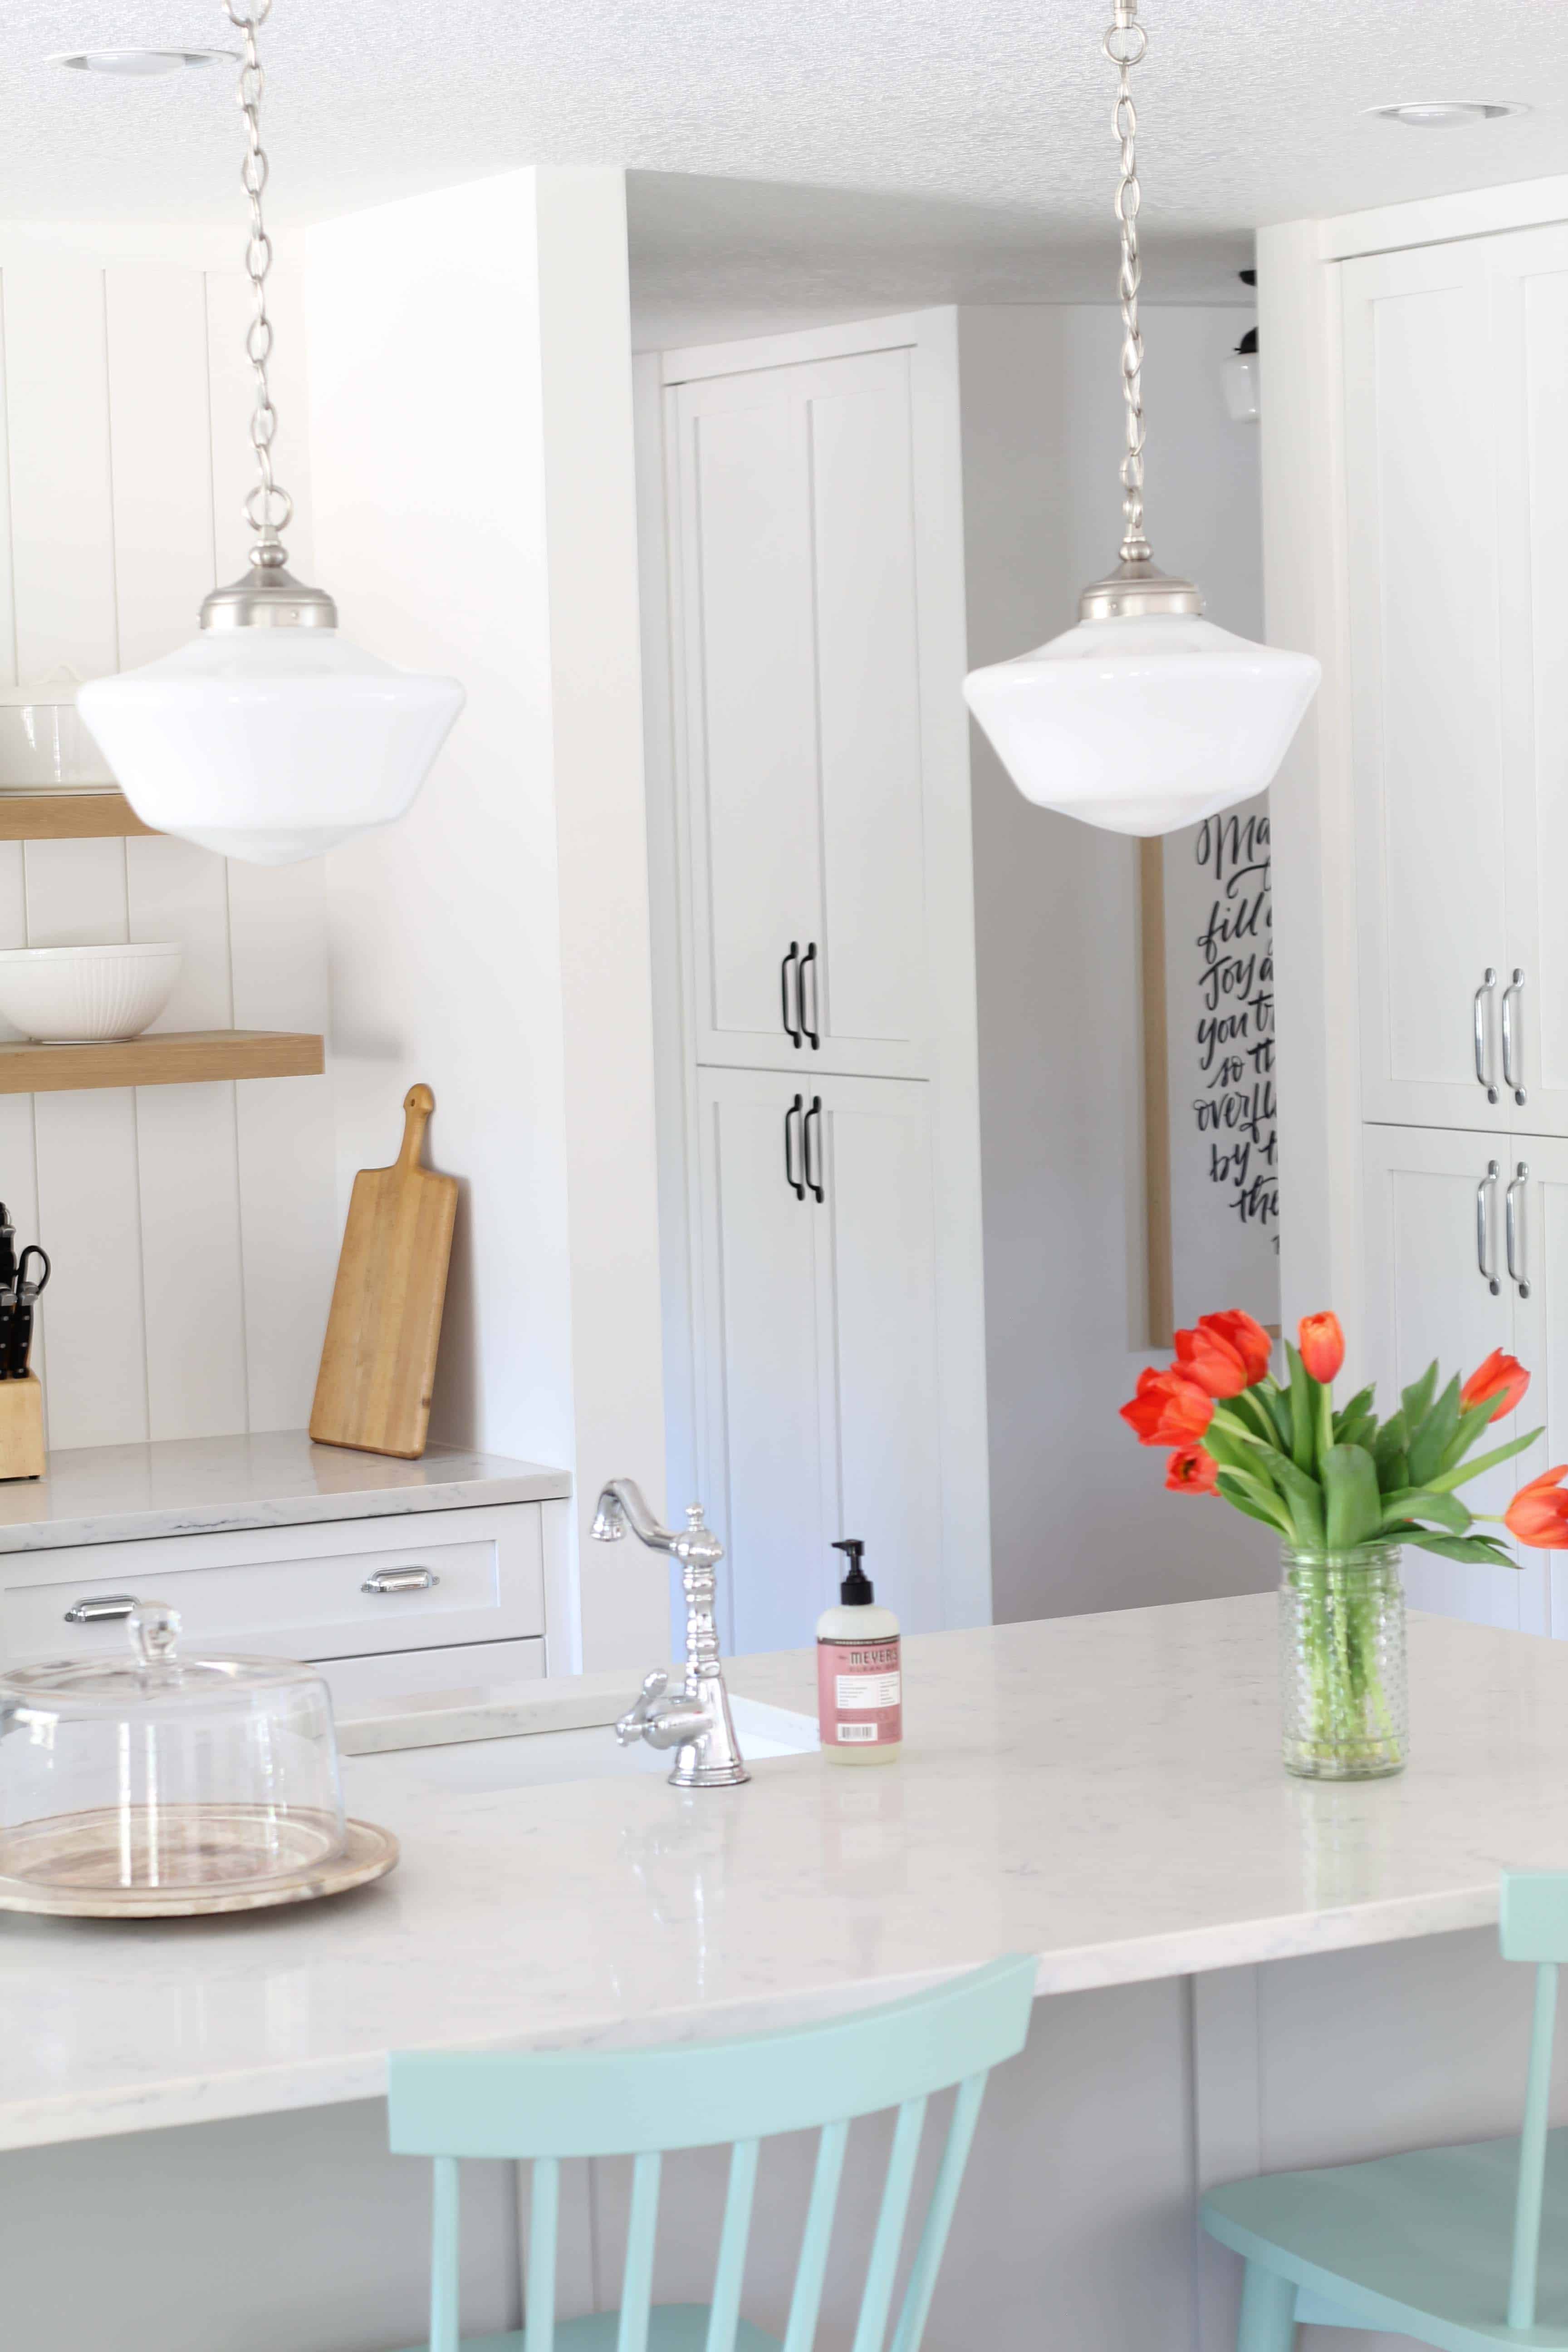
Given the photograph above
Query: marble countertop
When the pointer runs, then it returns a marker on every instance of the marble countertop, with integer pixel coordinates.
(1104, 1792)
(204, 1485)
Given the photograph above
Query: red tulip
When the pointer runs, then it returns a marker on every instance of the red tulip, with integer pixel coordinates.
(1500, 1376)
(1206, 1356)
(1323, 1346)
(1538, 1514)
(1192, 1471)
(1168, 1409)
(1250, 1340)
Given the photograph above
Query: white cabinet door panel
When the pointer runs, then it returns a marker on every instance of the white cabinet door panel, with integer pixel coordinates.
(877, 1270)
(1427, 1297)
(750, 733)
(793, 593)
(868, 686)
(1421, 436)
(1529, 311)
(764, 1365)
(1539, 1170)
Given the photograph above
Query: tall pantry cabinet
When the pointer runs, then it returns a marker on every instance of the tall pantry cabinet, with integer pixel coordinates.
(810, 853)
(1453, 389)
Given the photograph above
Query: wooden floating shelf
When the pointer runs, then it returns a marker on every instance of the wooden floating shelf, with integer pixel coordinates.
(174, 1057)
(68, 816)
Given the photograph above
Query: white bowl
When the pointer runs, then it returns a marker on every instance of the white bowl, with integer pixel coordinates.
(79, 996)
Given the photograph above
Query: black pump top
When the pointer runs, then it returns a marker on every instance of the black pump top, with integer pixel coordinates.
(856, 1591)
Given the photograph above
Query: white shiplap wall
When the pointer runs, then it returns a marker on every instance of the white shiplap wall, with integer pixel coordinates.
(192, 1229)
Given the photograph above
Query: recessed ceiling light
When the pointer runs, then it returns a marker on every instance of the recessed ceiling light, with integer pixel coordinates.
(1447, 113)
(139, 64)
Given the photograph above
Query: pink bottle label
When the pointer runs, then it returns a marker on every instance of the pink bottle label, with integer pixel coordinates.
(859, 1694)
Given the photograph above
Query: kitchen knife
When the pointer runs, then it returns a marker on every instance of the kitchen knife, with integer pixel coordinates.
(20, 1337)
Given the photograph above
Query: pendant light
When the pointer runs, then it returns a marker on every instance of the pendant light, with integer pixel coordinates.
(1145, 717)
(269, 736)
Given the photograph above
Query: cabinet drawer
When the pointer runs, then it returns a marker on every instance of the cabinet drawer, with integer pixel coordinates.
(336, 1590)
(361, 1685)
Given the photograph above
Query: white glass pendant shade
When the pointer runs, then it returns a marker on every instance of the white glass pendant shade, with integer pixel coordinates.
(269, 744)
(1142, 724)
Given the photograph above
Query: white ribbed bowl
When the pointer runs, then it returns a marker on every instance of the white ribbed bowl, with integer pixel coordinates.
(80, 996)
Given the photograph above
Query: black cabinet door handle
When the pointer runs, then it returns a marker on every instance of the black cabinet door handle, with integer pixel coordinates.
(792, 1028)
(814, 1113)
(791, 1179)
(813, 1028)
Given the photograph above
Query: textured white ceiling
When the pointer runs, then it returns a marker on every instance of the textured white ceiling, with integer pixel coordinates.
(991, 116)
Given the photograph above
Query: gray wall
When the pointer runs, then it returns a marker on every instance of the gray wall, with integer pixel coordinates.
(1080, 1516)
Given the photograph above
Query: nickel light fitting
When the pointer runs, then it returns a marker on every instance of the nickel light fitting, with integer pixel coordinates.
(269, 736)
(1145, 717)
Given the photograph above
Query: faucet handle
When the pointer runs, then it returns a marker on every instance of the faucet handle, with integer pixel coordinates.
(630, 1727)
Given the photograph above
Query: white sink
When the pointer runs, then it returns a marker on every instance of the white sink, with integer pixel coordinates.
(514, 1758)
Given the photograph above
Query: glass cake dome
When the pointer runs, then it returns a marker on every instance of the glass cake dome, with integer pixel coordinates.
(153, 1776)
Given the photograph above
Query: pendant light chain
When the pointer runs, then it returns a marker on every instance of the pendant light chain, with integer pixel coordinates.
(267, 507)
(1124, 45)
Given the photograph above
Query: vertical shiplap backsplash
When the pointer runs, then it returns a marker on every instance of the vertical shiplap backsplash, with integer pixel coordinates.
(192, 1229)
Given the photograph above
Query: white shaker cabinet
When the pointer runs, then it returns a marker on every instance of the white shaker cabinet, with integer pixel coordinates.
(1456, 371)
(819, 1285)
(1420, 439)
(798, 695)
(1451, 1228)
(814, 946)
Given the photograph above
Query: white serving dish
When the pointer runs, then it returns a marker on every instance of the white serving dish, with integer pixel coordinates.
(81, 996)
(44, 742)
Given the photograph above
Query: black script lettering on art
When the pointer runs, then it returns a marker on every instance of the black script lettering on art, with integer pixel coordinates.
(1235, 1111)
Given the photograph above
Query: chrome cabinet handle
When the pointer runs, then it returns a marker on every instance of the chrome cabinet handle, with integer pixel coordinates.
(791, 1028)
(1487, 1186)
(1483, 1042)
(1510, 1075)
(791, 1179)
(102, 1611)
(813, 1027)
(1513, 1230)
(815, 1114)
(401, 1580)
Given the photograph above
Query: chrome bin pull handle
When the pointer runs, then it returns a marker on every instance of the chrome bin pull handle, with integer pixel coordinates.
(1510, 1076)
(1513, 1230)
(1483, 1040)
(1484, 1190)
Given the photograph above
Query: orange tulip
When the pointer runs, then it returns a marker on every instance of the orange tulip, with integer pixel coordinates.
(1206, 1356)
(1323, 1346)
(1192, 1471)
(1168, 1409)
(1500, 1376)
(1250, 1340)
(1538, 1514)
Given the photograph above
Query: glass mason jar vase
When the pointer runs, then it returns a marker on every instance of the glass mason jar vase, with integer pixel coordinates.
(1342, 1662)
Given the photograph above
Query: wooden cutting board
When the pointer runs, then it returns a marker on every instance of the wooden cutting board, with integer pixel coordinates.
(378, 1360)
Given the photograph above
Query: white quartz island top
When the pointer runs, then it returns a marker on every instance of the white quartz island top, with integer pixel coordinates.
(1103, 1792)
(275, 1478)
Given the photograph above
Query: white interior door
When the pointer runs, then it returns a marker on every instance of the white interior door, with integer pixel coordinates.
(795, 592)
(877, 1277)
(764, 1367)
(1422, 433)
(1438, 1286)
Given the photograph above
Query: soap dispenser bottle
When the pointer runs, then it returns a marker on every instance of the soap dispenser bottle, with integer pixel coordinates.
(859, 1676)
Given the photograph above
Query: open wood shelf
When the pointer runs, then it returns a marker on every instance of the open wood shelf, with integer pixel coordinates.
(68, 816)
(174, 1057)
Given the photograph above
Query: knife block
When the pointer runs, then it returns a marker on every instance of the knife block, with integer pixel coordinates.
(22, 1428)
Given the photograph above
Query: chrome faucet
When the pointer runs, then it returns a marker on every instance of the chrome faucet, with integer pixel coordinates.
(697, 1723)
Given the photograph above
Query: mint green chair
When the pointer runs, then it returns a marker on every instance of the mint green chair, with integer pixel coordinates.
(553, 2104)
(1463, 2247)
